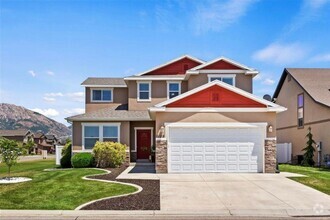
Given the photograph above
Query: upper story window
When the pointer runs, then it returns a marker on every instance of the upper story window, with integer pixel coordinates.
(300, 110)
(144, 91)
(101, 95)
(226, 78)
(173, 89)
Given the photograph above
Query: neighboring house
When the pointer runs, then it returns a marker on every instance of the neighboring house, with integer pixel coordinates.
(21, 135)
(305, 92)
(45, 142)
(200, 116)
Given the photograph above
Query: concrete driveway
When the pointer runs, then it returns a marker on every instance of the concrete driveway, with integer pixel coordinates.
(236, 194)
(239, 193)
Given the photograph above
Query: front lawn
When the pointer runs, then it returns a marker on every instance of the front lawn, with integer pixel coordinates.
(60, 189)
(317, 178)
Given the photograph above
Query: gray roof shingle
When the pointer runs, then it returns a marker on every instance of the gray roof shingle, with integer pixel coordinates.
(315, 81)
(104, 81)
(18, 132)
(111, 114)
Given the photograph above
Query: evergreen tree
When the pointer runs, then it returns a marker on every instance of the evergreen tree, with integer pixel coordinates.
(309, 150)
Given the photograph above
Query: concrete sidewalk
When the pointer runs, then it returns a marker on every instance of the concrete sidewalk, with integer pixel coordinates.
(220, 214)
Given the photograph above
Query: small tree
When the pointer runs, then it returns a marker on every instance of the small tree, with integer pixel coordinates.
(29, 146)
(9, 151)
(309, 150)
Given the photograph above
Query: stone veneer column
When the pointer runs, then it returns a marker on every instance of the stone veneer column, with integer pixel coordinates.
(270, 155)
(161, 155)
(128, 157)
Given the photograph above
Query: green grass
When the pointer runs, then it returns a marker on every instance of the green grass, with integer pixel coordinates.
(317, 178)
(61, 189)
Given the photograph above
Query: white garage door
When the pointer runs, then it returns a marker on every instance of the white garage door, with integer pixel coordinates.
(217, 147)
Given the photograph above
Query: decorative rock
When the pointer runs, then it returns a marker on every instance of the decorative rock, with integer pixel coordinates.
(10, 180)
(161, 155)
(270, 155)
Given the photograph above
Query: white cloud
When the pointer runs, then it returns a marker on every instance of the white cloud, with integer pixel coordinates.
(32, 73)
(217, 16)
(74, 111)
(77, 96)
(281, 53)
(268, 82)
(50, 73)
(321, 58)
(50, 112)
(309, 11)
(316, 4)
(54, 94)
(49, 99)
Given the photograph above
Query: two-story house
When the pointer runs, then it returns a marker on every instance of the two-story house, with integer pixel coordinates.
(200, 117)
(305, 92)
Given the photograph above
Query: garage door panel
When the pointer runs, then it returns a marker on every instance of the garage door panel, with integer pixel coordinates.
(187, 158)
(209, 158)
(198, 148)
(221, 158)
(198, 158)
(215, 149)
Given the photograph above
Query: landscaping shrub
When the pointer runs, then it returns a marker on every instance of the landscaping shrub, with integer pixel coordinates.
(81, 160)
(109, 154)
(66, 156)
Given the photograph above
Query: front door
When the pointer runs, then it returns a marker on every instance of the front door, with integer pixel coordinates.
(143, 143)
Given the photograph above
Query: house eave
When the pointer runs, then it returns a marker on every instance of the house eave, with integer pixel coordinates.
(105, 86)
(215, 110)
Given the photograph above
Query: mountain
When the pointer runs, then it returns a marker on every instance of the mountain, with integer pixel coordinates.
(14, 117)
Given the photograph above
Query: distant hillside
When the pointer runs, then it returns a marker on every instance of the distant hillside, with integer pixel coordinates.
(14, 117)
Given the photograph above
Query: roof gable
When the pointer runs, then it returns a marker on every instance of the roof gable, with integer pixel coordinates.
(314, 81)
(222, 63)
(178, 66)
(233, 89)
(216, 96)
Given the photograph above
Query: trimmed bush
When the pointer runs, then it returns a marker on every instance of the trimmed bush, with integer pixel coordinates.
(109, 154)
(66, 156)
(81, 160)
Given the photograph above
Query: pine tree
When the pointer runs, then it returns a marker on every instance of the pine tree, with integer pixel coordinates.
(309, 150)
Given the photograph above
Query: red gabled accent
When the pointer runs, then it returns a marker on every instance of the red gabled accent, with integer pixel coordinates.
(221, 64)
(216, 96)
(177, 68)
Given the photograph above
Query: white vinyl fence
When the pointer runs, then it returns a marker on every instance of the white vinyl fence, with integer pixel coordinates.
(284, 152)
(58, 152)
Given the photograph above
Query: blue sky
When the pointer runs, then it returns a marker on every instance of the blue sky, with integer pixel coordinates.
(49, 47)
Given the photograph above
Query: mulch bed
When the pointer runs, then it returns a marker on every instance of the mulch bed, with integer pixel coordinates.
(147, 199)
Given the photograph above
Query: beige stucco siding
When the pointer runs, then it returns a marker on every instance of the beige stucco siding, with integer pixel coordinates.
(158, 94)
(316, 115)
(242, 81)
(321, 132)
(77, 133)
(120, 96)
(166, 117)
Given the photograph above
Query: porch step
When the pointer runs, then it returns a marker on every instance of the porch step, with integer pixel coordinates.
(142, 163)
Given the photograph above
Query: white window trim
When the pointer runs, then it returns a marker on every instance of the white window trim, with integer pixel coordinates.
(100, 125)
(209, 76)
(102, 89)
(168, 87)
(135, 136)
(138, 91)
